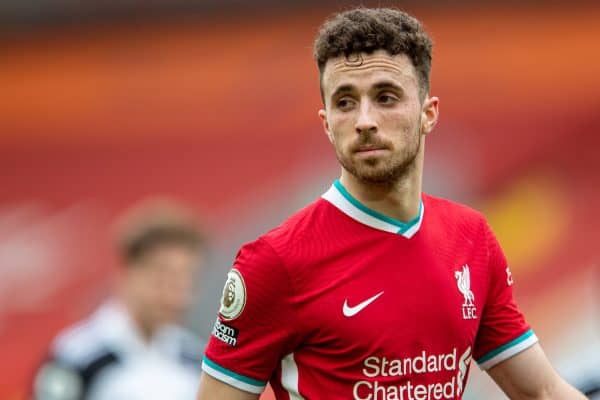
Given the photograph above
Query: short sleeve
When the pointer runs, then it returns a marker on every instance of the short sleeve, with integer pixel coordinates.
(254, 328)
(503, 331)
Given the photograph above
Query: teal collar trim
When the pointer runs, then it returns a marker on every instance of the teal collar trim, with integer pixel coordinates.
(344, 201)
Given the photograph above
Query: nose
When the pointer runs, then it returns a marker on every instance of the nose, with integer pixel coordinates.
(365, 123)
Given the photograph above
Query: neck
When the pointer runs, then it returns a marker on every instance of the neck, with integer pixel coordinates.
(145, 330)
(400, 199)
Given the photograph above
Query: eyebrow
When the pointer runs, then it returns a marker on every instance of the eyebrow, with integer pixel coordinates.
(378, 86)
(388, 85)
(342, 89)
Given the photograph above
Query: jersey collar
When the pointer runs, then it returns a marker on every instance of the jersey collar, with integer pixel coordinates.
(343, 200)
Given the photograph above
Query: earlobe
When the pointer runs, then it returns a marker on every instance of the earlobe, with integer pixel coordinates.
(427, 124)
(425, 128)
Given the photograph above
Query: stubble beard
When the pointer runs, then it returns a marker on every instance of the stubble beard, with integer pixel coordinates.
(377, 171)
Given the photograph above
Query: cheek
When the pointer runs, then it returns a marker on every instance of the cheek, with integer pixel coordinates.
(341, 128)
(404, 122)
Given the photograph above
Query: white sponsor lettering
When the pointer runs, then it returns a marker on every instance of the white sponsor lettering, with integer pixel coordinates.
(366, 390)
(225, 333)
(409, 368)
(224, 338)
(375, 366)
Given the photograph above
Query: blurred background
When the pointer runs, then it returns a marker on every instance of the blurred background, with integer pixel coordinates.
(214, 104)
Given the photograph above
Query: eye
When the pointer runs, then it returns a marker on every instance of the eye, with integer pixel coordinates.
(344, 103)
(387, 98)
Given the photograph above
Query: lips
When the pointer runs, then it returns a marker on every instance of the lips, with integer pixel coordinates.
(365, 148)
(369, 148)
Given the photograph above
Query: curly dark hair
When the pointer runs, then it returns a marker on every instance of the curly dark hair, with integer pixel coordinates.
(364, 30)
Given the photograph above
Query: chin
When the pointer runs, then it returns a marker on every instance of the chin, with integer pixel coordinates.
(382, 173)
(376, 170)
(373, 175)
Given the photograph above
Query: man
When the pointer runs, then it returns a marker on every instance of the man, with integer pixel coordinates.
(132, 347)
(376, 290)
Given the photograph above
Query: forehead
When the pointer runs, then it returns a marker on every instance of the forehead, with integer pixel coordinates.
(364, 69)
(169, 253)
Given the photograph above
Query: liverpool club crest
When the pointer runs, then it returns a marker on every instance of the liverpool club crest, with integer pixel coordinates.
(463, 281)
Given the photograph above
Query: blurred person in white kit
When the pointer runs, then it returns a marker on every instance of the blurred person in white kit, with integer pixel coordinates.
(133, 346)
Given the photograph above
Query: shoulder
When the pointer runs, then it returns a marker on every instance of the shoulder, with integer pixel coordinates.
(80, 344)
(451, 209)
(303, 231)
(300, 224)
(275, 246)
(465, 225)
(77, 355)
(272, 259)
(453, 215)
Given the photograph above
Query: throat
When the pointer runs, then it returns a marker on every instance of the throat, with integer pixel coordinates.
(400, 201)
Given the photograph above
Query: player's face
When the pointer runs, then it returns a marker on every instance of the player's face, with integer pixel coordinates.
(163, 283)
(374, 116)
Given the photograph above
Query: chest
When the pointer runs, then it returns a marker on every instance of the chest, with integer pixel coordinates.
(396, 299)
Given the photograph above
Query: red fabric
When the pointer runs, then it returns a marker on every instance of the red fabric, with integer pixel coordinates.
(501, 321)
(299, 275)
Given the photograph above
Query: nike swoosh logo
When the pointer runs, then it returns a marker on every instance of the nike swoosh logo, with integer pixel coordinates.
(352, 311)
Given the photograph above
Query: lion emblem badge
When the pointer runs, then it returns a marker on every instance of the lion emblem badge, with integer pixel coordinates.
(463, 281)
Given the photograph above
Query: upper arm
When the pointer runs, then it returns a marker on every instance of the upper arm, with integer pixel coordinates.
(529, 375)
(211, 388)
(254, 330)
(506, 347)
(503, 330)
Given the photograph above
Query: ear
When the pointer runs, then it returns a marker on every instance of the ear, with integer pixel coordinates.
(429, 114)
(323, 115)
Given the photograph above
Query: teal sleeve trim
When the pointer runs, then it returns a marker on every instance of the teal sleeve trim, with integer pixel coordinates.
(505, 347)
(242, 378)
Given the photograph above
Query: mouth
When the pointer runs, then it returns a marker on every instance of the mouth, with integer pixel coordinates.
(370, 150)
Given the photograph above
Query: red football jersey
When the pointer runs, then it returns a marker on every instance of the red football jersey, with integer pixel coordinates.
(342, 302)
